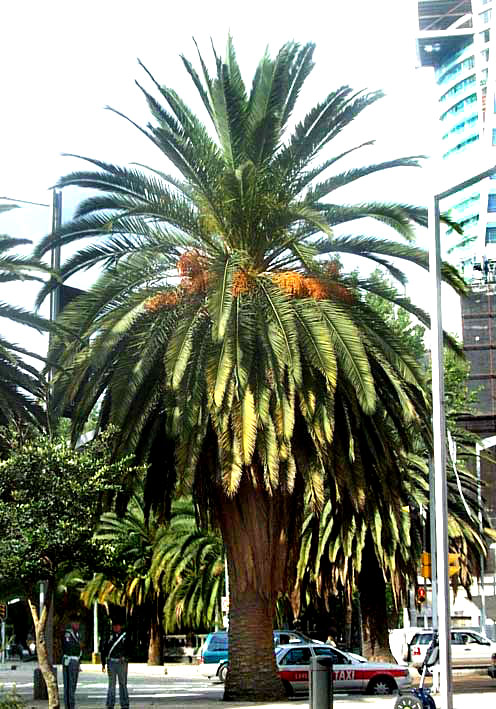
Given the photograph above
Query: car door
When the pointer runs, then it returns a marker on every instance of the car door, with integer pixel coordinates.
(477, 649)
(294, 667)
(344, 672)
(459, 650)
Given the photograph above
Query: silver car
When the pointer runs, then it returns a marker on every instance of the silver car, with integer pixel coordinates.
(468, 648)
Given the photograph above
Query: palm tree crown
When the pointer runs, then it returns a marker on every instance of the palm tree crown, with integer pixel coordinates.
(223, 335)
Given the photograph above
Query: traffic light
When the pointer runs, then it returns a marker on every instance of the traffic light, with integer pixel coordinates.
(426, 564)
(453, 564)
(3, 611)
(421, 594)
(426, 567)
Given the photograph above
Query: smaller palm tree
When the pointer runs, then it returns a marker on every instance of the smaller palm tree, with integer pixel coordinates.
(130, 539)
(189, 564)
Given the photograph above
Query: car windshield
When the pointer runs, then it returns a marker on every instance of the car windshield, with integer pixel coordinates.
(422, 639)
(356, 658)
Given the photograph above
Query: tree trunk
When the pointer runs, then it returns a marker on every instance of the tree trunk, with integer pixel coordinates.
(372, 587)
(154, 645)
(41, 647)
(348, 619)
(259, 535)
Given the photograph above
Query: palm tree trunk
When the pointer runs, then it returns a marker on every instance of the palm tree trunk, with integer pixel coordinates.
(258, 532)
(348, 618)
(372, 587)
(154, 644)
(46, 668)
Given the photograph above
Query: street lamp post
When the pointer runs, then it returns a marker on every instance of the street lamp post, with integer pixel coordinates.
(439, 435)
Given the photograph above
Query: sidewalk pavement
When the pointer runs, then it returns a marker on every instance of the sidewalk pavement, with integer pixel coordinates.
(24, 672)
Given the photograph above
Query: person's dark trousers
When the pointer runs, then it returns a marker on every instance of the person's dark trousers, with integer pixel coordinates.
(70, 674)
(117, 669)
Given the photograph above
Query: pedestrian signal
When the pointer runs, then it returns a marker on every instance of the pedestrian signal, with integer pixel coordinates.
(421, 594)
(3, 611)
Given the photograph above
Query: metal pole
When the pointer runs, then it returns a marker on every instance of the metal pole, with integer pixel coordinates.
(3, 641)
(226, 576)
(42, 595)
(478, 449)
(432, 509)
(54, 311)
(95, 627)
(55, 254)
(439, 435)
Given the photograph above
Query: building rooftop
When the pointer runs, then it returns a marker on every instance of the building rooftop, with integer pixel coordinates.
(445, 27)
(442, 14)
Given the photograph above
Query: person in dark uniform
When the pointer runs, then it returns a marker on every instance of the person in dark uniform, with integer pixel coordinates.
(114, 652)
(71, 655)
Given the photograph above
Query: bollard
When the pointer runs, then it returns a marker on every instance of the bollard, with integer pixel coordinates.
(39, 685)
(321, 683)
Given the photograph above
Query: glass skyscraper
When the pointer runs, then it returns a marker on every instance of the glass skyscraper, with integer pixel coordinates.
(455, 38)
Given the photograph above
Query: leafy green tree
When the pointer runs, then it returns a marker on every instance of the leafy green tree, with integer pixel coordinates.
(222, 338)
(50, 499)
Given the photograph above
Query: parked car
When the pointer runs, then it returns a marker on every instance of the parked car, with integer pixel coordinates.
(214, 651)
(351, 672)
(468, 648)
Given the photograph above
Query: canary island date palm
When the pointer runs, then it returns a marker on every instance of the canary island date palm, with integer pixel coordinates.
(344, 549)
(21, 386)
(222, 323)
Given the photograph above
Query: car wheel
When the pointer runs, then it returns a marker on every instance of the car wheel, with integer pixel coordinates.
(381, 686)
(222, 673)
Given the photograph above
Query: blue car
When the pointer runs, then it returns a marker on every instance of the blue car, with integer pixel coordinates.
(214, 651)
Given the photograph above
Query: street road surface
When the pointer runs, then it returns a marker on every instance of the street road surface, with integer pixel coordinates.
(184, 687)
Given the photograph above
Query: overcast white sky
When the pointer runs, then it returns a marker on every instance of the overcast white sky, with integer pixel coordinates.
(62, 62)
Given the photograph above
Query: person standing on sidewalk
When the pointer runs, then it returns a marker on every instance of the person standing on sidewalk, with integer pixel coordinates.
(115, 655)
(71, 656)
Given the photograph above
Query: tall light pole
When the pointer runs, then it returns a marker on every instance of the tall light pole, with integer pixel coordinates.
(439, 434)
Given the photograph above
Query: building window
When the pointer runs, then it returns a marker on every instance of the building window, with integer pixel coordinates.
(460, 106)
(468, 63)
(491, 203)
(461, 146)
(459, 87)
(491, 235)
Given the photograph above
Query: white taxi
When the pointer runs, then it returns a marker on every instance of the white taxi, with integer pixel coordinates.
(351, 673)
